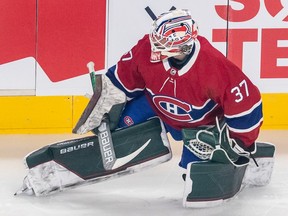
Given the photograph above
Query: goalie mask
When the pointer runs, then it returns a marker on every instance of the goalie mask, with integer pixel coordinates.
(173, 33)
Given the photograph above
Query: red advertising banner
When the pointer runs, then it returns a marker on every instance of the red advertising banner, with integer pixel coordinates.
(18, 29)
(61, 35)
(70, 34)
(269, 38)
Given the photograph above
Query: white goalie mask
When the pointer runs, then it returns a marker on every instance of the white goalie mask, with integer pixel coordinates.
(173, 33)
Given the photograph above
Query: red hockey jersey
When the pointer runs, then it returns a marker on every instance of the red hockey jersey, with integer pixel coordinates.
(209, 85)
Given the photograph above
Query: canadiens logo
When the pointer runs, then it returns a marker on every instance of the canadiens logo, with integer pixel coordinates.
(128, 120)
(181, 111)
(173, 108)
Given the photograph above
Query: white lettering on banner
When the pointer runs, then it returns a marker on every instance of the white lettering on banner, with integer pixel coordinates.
(282, 62)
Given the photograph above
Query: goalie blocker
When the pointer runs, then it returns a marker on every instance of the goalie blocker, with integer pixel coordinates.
(88, 160)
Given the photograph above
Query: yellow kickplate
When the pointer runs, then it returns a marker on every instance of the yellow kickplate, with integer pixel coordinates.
(59, 114)
(275, 111)
(39, 114)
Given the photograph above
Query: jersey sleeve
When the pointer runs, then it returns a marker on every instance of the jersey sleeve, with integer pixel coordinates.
(240, 99)
(243, 110)
(125, 74)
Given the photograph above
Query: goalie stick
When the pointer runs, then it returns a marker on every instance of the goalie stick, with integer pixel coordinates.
(97, 88)
(151, 13)
(92, 74)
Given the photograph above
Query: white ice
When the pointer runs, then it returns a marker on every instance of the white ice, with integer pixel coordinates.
(157, 191)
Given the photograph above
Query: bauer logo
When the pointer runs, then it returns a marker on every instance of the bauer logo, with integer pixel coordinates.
(76, 147)
(106, 147)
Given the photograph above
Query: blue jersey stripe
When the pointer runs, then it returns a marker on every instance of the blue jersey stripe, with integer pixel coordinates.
(200, 113)
(246, 122)
(111, 74)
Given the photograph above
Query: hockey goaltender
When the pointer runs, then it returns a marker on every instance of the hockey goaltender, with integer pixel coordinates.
(172, 81)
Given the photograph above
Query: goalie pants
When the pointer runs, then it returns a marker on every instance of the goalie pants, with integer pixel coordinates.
(139, 110)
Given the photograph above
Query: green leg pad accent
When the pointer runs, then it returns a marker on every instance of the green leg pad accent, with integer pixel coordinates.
(264, 150)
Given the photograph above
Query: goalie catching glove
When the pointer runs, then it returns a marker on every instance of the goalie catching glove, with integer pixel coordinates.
(207, 142)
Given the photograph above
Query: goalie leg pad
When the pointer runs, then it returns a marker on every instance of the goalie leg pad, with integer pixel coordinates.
(260, 175)
(209, 183)
(72, 163)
